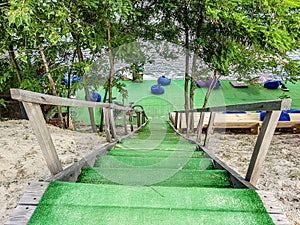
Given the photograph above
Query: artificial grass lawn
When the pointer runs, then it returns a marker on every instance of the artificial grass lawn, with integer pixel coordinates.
(173, 98)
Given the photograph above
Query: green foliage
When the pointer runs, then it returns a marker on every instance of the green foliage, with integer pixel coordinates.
(2, 103)
(240, 37)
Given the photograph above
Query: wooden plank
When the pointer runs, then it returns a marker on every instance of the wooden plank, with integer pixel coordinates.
(112, 123)
(236, 180)
(42, 133)
(176, 121)
(283, 104)
(28, 96)
(107, 124)
(180, 122)
(188, 123)
(144, 117)
(262, 145)
(273, 208)
(34, 193)
(130, 121)
(240, 121)
(125, 122)
(138, 118)
(200, 127)
(209, 130)
(270, 202)
(21, 215)
(72, 172)
(280, 219)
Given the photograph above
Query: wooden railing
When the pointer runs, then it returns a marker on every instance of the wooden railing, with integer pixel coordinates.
(273, 110)
(32, 102)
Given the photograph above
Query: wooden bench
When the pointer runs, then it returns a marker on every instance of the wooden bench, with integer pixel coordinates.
(237, 121)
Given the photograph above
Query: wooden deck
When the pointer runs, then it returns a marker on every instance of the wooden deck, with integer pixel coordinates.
(238, 121)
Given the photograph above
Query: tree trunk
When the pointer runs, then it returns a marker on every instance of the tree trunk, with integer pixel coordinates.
(192, 87)
(210, 88)
(14, 62)
(86, 91)
(201, 119)
(52, 84)
(102, 116)
(186, 77)
(111, 64)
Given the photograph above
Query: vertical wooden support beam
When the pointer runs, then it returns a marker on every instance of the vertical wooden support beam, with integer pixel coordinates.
(130, 121)
(262, 144)
(180, 122)
(106, 124)
(125, 122)
(200, 127)
(188, 123)
(112, 123)
(209, 130)
(138, 119)
(176, 121)
(143, 117)
(42, 133)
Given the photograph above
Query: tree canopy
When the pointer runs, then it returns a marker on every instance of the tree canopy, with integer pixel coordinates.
(63, 37)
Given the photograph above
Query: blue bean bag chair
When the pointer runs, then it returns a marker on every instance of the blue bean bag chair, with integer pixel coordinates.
(162, 80)
(201, 83)
(157, 89)
(292, 110)
(235, 112)
(216, 84)
(271, 84)
(95, 96)
(284, 116)
(73, 79)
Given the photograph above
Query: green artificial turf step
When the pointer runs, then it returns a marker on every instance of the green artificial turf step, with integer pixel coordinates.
(74, 203)
(160, 136)
(109, 161)
(155, 177)
(154, 147)
(156, 153)
(149, 142)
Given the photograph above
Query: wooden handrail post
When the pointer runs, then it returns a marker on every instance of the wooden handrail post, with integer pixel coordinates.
(112, 123)
(42, 133)
(143, 117)
(180, 122)
(200, 127)
(125, 122)
(176, 120)
(187, 117)
(130, 120)
(138, 118)
(107, 125)
(261, 147)
(209, 130)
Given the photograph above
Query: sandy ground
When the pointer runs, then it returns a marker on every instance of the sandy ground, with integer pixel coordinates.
(21, 161)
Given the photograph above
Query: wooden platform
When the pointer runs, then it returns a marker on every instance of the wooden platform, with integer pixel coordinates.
(31, 198)
(273, 208)
(238, 121)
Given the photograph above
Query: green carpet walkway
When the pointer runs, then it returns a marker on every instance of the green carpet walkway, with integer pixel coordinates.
(155, 177)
